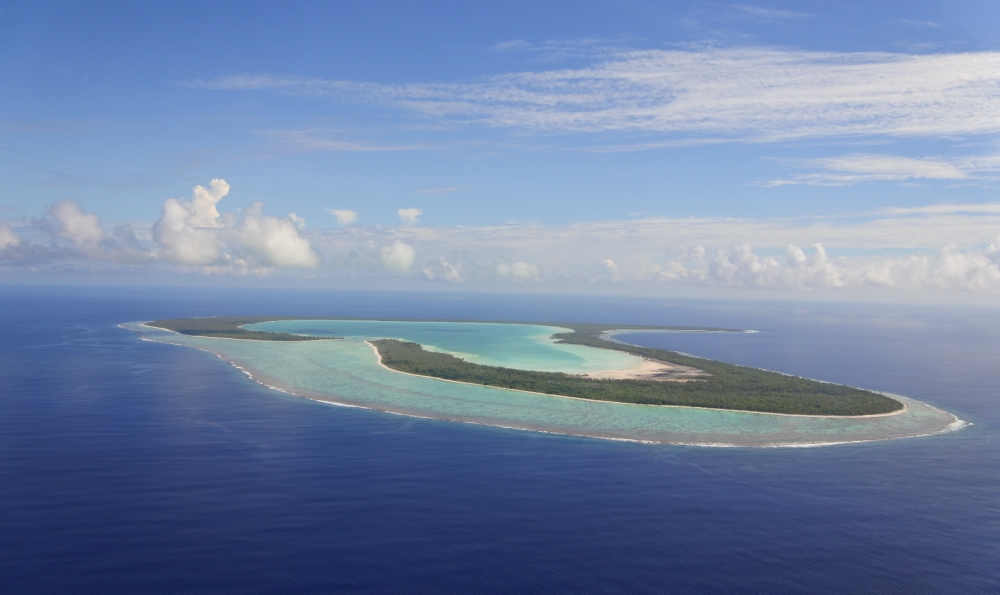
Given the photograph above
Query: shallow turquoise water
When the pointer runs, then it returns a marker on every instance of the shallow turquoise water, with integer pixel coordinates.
(347, 372)
(521, 346)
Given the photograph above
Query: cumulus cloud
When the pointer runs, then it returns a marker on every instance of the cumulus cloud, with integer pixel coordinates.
(83, 229)
(739, 266)
(612, 269)
(441, 269)
(902, 251)
(18, 252)
(748, 93)
(202, 206)
(8, 238)
(194, 233)
(397, 257)
(271, 241)
(518, 271)
(409, 216)
(67, 221)
(182, 242)
(344, 216)
(951, 247)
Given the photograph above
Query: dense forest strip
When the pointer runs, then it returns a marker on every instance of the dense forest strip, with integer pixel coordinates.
(728, 386)
(229, 327)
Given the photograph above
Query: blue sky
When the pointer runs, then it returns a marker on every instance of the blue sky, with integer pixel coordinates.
(627, 146)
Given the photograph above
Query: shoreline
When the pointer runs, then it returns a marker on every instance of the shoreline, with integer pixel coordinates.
(331, 399)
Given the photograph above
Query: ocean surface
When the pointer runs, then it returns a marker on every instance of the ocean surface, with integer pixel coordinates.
(140, 467)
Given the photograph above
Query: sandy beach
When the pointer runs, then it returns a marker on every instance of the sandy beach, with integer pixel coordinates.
(651, 370)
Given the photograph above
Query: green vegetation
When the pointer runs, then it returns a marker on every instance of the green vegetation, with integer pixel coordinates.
(228, 327)
(728, 386)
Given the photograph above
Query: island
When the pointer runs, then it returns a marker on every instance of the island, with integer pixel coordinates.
(666, 378)
(550, 378)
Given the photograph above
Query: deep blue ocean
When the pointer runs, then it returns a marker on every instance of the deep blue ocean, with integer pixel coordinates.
(137, 467)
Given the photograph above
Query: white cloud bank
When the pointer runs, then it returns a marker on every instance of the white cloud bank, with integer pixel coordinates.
(85, 233)
(945, 247)
(938, 247)
(191, 233)
(739, 266)
(748, 93)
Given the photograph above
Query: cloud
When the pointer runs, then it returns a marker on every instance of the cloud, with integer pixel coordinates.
(409, 216)
(16, 251)
(442, 190)
(202, 211)
(194, 233)
(767, 14)
(948, 247)
(746, 94)
(518, 271)
(186, 232)
(944, 209)
(345, 216)
(182, 242)
(612, 268)
(83, 229)
(740, 267)
(271, 241)
(67, 221)
(397, 257)
(920, 24)
(441, 269)
(855, 168)
(879, 249)
(319, 140)
(8, 238)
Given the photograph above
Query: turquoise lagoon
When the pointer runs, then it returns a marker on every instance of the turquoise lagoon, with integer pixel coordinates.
(521, 346)
(347, 372)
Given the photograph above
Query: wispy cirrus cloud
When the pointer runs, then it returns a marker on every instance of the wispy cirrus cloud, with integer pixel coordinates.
(747, 94)
(945, 209)
(855, 168)
(942, 247)
(767, 14)
(323, 140)
(919, 24)
(441, 190)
